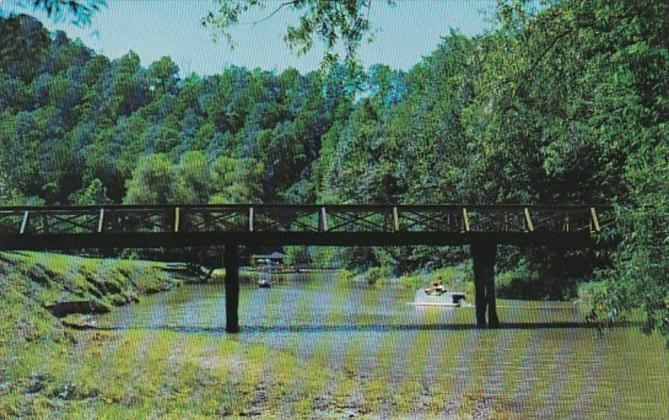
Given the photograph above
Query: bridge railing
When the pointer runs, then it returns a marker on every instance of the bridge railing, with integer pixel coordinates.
(303, 218)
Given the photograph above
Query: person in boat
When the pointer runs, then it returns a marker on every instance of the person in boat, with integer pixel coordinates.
(437, 288)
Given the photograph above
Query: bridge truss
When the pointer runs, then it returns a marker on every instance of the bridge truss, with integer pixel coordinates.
(338, 225)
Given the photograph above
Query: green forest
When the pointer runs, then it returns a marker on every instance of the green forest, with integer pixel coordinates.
(567, 103)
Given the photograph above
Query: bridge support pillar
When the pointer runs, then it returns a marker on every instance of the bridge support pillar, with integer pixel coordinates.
(231, 262)
(484, 254)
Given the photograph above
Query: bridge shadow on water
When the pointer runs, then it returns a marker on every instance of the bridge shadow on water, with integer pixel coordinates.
(348, 328)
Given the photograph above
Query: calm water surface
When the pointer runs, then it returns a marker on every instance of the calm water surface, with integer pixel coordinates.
(544, 357)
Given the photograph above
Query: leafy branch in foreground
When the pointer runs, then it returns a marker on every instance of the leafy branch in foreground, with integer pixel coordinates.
(80, 11)
(338, 24)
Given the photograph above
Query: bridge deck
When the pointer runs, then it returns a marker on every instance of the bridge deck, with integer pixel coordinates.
(341, 225)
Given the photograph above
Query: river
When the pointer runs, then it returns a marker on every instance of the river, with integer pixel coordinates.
(544, 360)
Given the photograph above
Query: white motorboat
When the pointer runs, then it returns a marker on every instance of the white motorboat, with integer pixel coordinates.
(435, 298)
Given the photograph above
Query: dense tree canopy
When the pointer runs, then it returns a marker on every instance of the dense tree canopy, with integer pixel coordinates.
(77, 119)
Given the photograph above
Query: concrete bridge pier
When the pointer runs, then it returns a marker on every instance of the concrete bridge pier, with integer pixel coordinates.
(484, 254)
(231, 262)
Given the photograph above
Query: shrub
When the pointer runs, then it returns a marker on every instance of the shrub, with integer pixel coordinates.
(600, 302)
(345, 275)
(378, 274)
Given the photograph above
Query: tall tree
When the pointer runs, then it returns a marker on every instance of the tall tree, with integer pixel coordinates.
(236, 181)
(152, 181)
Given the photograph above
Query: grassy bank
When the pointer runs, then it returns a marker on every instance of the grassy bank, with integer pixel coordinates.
(143, 374)
(35, 288)
(48, 370)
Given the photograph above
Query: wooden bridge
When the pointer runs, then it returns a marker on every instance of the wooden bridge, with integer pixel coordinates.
(172, 226)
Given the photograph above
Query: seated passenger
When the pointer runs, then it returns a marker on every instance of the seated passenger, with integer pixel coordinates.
(437, 288)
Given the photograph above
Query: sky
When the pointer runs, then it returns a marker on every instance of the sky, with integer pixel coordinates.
(155, 28)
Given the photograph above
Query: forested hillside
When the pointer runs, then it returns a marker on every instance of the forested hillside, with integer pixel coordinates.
(565, 103)
(89, 129)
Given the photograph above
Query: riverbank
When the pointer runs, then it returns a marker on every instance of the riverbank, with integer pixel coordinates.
(49, 369)
(314, 346)
(38, 290)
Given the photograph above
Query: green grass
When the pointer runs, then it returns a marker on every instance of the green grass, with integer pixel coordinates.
(147, 378)
(34, 344)
(43, 279)
(49, 371)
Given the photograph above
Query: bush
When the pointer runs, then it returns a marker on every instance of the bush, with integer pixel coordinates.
(345, 276)
(378, 274)
(526, 282)
(599, 302)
